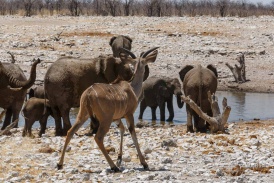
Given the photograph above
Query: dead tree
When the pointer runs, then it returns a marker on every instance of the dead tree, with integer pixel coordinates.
(218, 121)
(238, 71)
(12, 57)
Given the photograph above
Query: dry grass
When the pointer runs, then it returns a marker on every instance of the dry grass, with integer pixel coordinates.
(91, 34)
(238, 170)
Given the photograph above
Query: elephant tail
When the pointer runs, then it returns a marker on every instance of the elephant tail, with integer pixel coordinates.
(22, 112)
(200, 86)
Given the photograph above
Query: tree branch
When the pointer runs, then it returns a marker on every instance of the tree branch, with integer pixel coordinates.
(8, 128)
(218, 121)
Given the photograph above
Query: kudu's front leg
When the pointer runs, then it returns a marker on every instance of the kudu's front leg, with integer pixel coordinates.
(131, 128)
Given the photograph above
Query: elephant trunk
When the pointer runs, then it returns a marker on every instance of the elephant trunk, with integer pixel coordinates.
(179, 101)
(24, 84)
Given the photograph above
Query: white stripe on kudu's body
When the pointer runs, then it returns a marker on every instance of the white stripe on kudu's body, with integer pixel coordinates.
(110, 102)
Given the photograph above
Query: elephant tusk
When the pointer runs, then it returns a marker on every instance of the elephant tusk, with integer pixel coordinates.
(14, 89)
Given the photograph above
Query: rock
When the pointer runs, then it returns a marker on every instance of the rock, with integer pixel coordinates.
(166, 160)
(169, 143)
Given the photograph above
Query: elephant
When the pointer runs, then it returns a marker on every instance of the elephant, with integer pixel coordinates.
(67, 78)
(197, 81)
(157, 91)
(37, 91)
(13, 89)
(36, 109)
(119, 42)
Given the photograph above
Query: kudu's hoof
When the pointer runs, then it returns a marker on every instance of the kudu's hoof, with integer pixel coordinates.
(59, 167)
(146, 167)
(115, 169)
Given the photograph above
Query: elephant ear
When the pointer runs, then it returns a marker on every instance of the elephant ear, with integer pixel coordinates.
(111, 40)
(108, 69)
(185, 70)
(128, 38)
(213, 69)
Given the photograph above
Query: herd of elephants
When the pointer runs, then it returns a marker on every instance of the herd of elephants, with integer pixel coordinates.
(106, 89)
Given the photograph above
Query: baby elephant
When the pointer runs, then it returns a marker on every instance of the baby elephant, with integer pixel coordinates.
(159, 91)
(34, 111)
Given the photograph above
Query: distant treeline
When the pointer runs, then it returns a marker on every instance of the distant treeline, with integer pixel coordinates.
(158, 8)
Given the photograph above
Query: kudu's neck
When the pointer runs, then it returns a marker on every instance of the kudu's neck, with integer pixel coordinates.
(137, 81)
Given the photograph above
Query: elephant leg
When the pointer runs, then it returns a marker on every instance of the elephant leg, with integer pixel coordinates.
(7, 118)
(15, 115)
(25, 128)
(57, 118)
(143, 107)
(170, 109)
(162, 107)
(66, 121)
(189, 119)
(94, 125)
(153, 113)
(43, 125)
(29, 126)
(196, 122)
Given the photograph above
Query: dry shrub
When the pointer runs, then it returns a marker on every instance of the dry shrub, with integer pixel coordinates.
(110, 149)
(253, 136)
(235, 171)
(261, 169)
(238, 170)
(206, 33)
(46, 150)
(92, 34)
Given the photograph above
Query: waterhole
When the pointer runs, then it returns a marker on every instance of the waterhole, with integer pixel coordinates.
(244, 106)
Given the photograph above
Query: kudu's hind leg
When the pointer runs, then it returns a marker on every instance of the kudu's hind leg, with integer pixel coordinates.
(99, 139)
(80, 120)
(122, 131)
(131, 128)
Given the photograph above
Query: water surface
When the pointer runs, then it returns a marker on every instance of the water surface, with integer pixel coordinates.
(244, 106)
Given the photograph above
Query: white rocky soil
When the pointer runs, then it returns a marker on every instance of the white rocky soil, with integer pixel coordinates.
(246, 154)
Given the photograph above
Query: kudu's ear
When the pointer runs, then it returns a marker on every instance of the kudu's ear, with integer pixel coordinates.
(151, 57)
(185, 70)
(111, 40)
(213, 69)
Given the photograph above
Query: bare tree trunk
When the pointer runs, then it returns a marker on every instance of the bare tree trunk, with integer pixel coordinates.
(239, 71)
(218, 121)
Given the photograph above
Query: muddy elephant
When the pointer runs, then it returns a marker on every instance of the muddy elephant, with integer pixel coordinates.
(197, 81)
(68, 77)
(37, 91)
(35, 110)
(119, 42)
(13, 89)
(159, 91)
